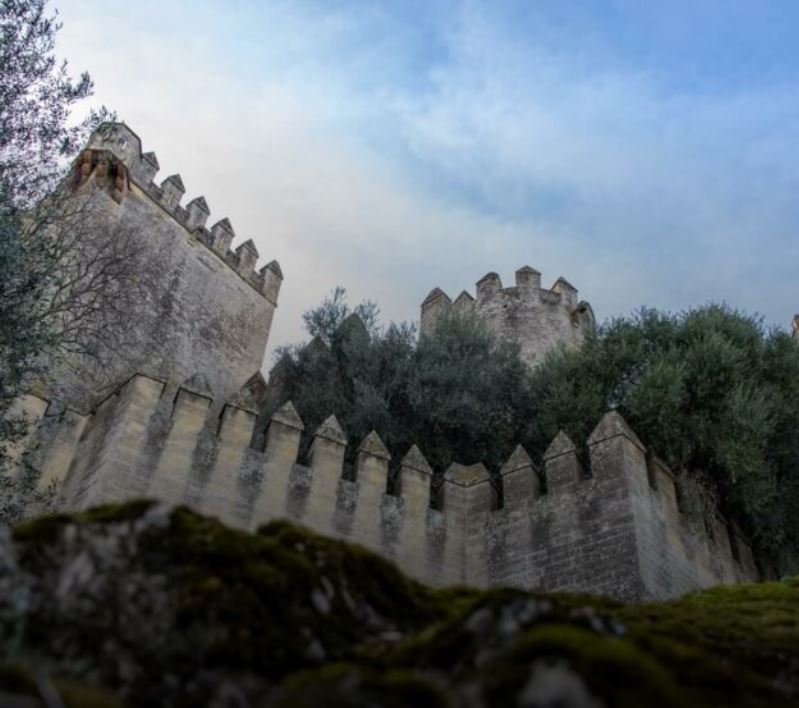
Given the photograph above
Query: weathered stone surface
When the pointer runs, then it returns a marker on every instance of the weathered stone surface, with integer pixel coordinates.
(143, 604)
(616, 530)
(201, 313)
(561, 445)
(330, 429)
(415, 460)
(373, 445)
(611, 426)
(538, 320)
(288, 416)
(466, 475)
(518, 459)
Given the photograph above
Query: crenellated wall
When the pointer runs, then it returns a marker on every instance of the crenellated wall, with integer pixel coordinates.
(536, 318)
(206, 307)
(615, 530)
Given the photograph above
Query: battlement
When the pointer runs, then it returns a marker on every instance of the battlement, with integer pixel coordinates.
(537, 318)
(611, 526)
(115, 152)
(200, 304)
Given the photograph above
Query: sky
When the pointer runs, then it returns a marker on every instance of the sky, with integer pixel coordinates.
(644, 150)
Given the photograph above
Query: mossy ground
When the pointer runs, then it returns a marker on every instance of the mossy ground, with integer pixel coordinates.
(295, 619)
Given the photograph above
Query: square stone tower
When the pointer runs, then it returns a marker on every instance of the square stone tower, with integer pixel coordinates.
(207, 311)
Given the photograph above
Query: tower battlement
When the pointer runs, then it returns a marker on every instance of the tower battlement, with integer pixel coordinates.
(198, 304)
(536, 318)
(115, 151)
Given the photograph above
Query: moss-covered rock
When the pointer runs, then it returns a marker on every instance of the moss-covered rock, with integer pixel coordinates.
(146, 605)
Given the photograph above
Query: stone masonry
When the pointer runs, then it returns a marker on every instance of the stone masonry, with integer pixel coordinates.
(537, 319)
(208, 312)
(611, 527)
(182, 426)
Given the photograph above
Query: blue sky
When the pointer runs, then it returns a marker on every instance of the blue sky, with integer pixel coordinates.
(644, 150)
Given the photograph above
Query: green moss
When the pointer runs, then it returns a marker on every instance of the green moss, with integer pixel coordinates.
(45, 529)
(19, 681)
(340, 685)
(115, 513)
(16, 679)
(329, 623)
(80, 695)
(611, 667)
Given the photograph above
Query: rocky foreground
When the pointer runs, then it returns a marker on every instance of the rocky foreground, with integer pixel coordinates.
(141, 605)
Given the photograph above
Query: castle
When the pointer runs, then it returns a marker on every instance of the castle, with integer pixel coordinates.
(536, 319)
(181, 423)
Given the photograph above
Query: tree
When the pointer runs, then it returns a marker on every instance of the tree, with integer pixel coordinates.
(56, 274)
(711, 391)
(37, 97)
(323, 321)
(459, 394)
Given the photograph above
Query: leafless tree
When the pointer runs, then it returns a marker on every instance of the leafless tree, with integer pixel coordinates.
(96, 270)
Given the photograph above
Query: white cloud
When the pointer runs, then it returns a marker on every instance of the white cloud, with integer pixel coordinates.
(497, 155)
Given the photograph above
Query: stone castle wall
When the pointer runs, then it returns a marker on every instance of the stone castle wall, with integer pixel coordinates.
(208, 311)
(536, 318)
(616, 530)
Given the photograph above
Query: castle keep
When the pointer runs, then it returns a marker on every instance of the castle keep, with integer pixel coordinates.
(182, 425)
(208, 312)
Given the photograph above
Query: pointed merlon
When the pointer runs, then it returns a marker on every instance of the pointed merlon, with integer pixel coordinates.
(528, 278)
(316, 346)
(331, 430)
(435, 294)
(274, 266)
(561, 445)
(287, 415)
(199, 203)
(151, 159)
(562, 284)
(415, 460)
(285, 362)
(353, 327)
(373, 445)
(198, 384)
(613, 425)
(465, 475)
(223, 225)
(249, 246)
(249, 395)
(256, 384)
(491, 277)
(519, 459)
(175, 181)
(464, 297)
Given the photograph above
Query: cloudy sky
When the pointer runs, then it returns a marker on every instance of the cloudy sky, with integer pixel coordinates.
(645, 150)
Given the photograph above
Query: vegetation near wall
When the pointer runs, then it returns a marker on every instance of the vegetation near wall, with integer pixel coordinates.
(711, 391)
(60, 278)
(143, 605)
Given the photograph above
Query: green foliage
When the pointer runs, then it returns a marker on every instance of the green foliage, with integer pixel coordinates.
(37, 96)
(709, 390)
(37, 138)
(175, 609)
(460, 395)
